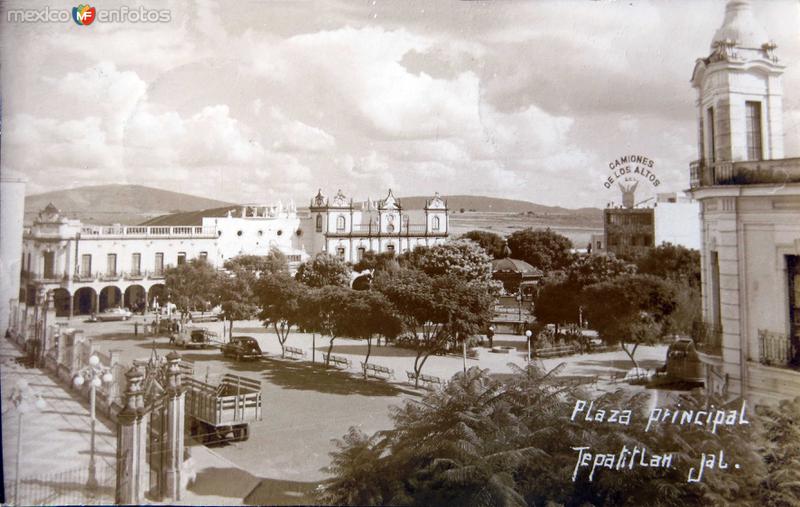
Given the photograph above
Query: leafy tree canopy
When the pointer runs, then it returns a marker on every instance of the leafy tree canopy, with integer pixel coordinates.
(630, 309)
(492, 243)
(371, 260)
(674, 262)
(485, 441)
(542, 248)
(462, 258)
(324, 269)
(192, 285)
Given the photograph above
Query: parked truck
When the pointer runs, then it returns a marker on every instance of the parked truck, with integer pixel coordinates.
(223, 412)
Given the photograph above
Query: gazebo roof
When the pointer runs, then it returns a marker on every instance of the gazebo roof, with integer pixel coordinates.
(509, 265)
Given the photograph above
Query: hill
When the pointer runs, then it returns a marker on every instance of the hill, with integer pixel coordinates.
(123, 204)
(467, 212)
(493, 204)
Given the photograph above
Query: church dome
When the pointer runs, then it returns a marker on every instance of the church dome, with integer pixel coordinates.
(740, 26)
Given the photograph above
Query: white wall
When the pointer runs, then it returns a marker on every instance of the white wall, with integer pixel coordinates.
(677, 223)
(12, 210)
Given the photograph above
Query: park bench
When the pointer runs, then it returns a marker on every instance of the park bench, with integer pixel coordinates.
(555, 351)
(338, 361)
(295, 353)
(427, 380)
(377, 371)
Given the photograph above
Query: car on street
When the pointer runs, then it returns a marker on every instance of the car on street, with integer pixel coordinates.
(196, 338)
(242, 347)
(110, 314)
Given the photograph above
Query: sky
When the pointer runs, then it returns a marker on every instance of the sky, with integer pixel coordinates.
(260, 101)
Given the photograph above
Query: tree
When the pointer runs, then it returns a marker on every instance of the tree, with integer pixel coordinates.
(463, 258)
(492, 243)
(435, 311)
(673, 262)
(376, 262)
(324, 269)
(281, 299)
(323, 311)
(488, 441)
(237, 290)
(559, 300)
(366, 314)
(781, 486)
(543, 249)
(193, 284)
(630, 309)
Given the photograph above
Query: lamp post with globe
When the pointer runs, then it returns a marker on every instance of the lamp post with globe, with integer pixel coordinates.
(96, 374)
(528, 334)
(23, 400)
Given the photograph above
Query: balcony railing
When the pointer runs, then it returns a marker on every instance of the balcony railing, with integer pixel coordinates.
(109, 276)
(142, 231)
(156, 275)
(133, 275)
(750, 172)
(375, 230)
(707, 338)
(83, 277)
(777, 349)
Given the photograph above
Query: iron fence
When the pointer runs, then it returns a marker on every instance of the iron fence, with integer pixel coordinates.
(64, 488)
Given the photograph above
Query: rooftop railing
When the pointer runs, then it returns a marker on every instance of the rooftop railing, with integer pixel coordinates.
(157, 231)
(703, 173)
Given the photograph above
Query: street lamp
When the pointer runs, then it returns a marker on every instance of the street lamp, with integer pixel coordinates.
(529, 333)
(21, 399)
(96, 374)
(490, 335)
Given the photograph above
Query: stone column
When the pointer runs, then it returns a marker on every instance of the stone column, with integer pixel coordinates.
(174, 422)
(131, 444)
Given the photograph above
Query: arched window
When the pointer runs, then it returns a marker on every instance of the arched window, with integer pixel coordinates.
(340, 223)
(319, 223)
(435, 223)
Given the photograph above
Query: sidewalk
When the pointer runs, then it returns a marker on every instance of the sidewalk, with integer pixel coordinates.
(55, 442)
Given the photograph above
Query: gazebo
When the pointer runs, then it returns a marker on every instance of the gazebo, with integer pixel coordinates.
(513, 272)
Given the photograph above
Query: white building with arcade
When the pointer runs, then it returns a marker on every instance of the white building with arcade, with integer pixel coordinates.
(88, 268)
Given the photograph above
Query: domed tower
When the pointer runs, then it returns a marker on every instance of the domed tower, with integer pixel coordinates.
(749, 199)
(739, 92)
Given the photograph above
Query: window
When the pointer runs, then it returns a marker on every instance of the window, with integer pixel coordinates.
(793, 272)
(340, 223)
(753, 127)
(158, 268)
(181, 258)
(319, 223)
(29, 261)
(360, 253)
(111, 264)
(136, 264)
(204, 256)
(436, 224)
(49, 265)
(340, 252)
(86, 265)
(716, 305)
(711, 153)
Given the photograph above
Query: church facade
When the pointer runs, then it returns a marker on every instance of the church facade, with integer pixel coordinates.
(750, 214)
(347, 231)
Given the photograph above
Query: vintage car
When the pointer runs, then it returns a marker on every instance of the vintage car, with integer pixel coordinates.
(242, 347)
(196, 338)
(111, 314)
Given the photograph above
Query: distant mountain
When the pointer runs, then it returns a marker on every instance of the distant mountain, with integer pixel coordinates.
(123, 204)
(470, 204)
(492, 204)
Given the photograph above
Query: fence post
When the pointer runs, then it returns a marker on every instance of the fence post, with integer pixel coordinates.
(131, 443)
(173, 443)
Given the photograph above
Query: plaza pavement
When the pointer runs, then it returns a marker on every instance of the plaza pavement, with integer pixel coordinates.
(305, 407)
